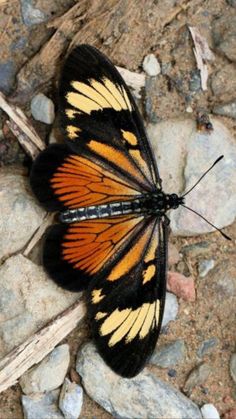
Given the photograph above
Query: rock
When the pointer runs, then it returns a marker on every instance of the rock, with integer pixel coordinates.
(233, 367)
(207, 346)
(231, 414)
(49, 374)
(171, 309)
(197, 376)
(209, 411)
(180, 149)
(41, 406)
(231, 3)
(224, 35)
(195, 81)
(28, 300)
(169, 355)
(223, 280)
(42, 109)
(20, 215)
(144, 396)
(151, 65)
(173, 254)
(32, 15)
(7, 76)
(181, 286)
(183, 268)
(205, 266)
(226, 109)
(196, 249)
(71, 399)
(223, 82)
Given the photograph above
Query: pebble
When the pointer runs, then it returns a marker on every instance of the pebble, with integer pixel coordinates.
(71, 399)
(233, 367)
(7, 76)
(223, 82)
(169, 355)
(197, 376)
(223, 280)
(224, 36)
(226, 109)
(28, 300)
(231, 414)
(31, 15)
(49, 374)
(151, 65)
(183, 155)
(207, 346)
(231, 3)
(17, 207)
(209, 411)
(173, 254)
(41, 406)
(195, 81)
(42, 109)
(196, 249)
(182, 286)
(171, 309)
(144, 396)
(205, 266)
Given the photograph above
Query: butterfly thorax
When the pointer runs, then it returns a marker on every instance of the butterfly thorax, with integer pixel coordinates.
(156, 203)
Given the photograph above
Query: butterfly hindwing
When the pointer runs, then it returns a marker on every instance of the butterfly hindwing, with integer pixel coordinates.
(99, 114)
(126, 314)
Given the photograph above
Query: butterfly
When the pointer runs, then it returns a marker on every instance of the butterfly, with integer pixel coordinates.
(112, 236)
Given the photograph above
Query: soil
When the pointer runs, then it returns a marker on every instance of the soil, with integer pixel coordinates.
(131, 30)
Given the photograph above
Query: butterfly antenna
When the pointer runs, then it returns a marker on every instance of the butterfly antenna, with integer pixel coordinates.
(208, 222)
(204, 174)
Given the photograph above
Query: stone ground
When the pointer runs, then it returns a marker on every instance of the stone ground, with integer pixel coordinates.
(25, 27)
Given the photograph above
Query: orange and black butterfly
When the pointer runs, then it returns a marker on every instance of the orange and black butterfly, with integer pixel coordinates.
(112, 238)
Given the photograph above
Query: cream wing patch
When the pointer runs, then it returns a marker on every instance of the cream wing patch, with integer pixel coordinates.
(129, 323)
(96, 96)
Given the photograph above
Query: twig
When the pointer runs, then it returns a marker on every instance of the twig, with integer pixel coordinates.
(38, 234)
(21, 127)
(35, 348)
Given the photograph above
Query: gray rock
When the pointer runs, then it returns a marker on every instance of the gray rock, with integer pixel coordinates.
(223, 82)
(207, 346)
(144, 396)
(28, 300)
(233, 366)
(227, 109)
(171, 309)
(169, 355)
(41, 406)
(151, 65)
(196, 249)
(223, 280)
(71, 399)
(31, 15)
(7, 76)
(224, 35)
(49, 374)
(209, 411)
(42, 109)
(205, 266)
(195, 81)
(231, 3)
(197, 376)
(183, 154)
(20, 215)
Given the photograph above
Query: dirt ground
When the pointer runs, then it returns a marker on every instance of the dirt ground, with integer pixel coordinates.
(132, 30)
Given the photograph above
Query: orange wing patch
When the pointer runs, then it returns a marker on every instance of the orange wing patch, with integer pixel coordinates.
(89, 245)
(78, 182)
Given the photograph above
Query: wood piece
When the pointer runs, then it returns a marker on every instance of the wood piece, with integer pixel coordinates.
(202, 54)
(35, 348)
(39, 233)
(22, 128)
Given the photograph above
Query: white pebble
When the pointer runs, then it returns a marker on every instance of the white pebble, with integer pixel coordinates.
(209, 411)
(71, 399)
(171, 309)
(42, 109)
(151, 66)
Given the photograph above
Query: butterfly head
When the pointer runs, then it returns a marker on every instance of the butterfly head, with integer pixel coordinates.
(173, 201)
